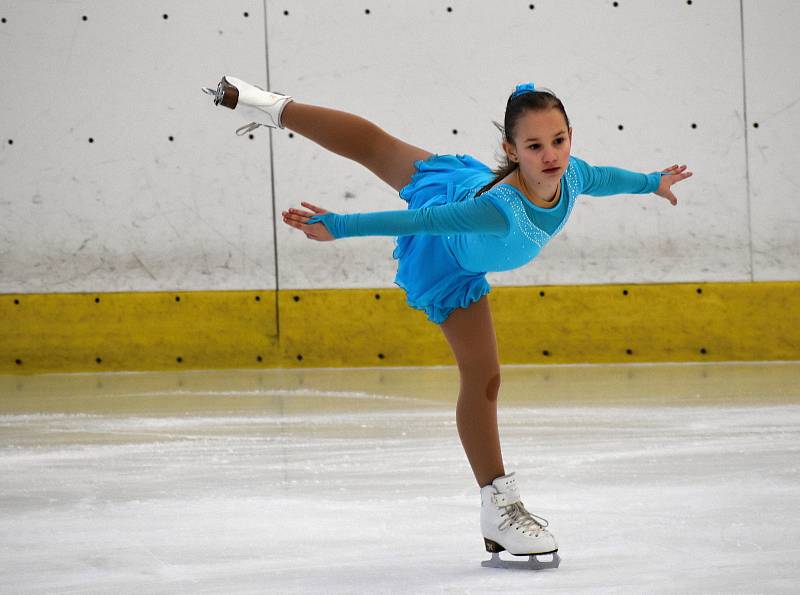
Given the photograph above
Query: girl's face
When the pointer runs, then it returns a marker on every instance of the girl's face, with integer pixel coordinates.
(541, 146)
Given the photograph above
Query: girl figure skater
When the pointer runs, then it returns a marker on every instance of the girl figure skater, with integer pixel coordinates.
(463, 220)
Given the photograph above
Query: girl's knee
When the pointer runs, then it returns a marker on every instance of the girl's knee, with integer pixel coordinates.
(481, 386)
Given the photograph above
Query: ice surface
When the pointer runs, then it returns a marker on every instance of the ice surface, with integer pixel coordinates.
(657, 479)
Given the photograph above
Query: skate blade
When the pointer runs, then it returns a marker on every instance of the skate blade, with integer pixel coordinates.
(225, 94)
(532, 563)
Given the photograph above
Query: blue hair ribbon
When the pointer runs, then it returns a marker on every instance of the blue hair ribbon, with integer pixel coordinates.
(523, 88)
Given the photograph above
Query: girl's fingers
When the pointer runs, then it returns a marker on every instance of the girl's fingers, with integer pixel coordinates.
(300, 223)
(675, 170)
(314, 208)
(681, 176)
(294, 221)
(299, 212)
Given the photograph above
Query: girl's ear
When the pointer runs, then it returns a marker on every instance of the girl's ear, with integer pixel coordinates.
(511, 152)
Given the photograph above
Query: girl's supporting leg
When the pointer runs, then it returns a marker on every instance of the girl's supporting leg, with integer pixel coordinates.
(470, 332)
(354, 137)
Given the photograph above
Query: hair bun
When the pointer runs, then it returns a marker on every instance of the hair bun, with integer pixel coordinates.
(523, 88)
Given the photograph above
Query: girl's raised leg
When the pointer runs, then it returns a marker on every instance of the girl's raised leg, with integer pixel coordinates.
(356, 138)
(470, 333)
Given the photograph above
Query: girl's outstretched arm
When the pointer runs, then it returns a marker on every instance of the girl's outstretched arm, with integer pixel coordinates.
(608, 181)
(464, 217)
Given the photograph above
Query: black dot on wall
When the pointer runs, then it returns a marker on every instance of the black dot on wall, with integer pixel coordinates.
(299, 357)
(616, 4)
(699, 290)
(297, 298)
(99, 360)
(531, 6)
(259, 358)
(3, 19)
(96, 300)
(166, 17)
(291, 135)
(286, 13)
(455, 131)
(252, 137)
(381, 356)
(10, 142)
(177, 298)
(621, 127)
(366, 11)
(377, 296)
(629, 351)
(449, 9)
(689, 2)
(16, 302)
(755, 124)
(85, 18)
(171, 138)
(541, 294)
(91, 140)
(694, 125)
(624, 292)
(703, 350)
(545, 353)
(258, 298)
(247, 14)
(19, 362)
(179, 360)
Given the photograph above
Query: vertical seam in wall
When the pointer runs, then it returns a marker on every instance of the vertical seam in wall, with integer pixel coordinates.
(272, 185)
(746, 142)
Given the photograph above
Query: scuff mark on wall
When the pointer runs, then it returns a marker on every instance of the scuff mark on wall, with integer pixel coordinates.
(143, 267)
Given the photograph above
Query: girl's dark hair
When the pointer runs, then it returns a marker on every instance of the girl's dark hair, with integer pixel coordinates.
(538, 100)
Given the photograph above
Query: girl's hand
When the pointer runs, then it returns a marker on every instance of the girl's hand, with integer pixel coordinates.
(674, 175)
(315, 231)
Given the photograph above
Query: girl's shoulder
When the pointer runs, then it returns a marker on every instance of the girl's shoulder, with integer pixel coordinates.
(576, 161)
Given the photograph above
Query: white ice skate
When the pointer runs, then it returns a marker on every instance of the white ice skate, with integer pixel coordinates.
(506, 525)
(262, 108)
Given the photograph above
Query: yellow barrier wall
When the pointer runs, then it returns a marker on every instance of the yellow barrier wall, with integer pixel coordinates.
(373, 327)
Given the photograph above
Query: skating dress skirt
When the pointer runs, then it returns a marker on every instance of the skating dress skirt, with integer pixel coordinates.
(427, 269)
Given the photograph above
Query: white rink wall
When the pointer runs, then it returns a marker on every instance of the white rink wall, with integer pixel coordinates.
(167, 197)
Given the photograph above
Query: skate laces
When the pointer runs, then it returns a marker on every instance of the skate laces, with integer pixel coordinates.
(516, 513)
(241, 131)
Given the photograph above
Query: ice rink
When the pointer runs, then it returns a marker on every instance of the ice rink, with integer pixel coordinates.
(655, 479)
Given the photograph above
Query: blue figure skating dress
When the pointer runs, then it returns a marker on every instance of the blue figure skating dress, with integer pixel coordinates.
(448, 239)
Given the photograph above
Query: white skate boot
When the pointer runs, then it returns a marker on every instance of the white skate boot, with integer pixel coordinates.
(262, 108)
(506, 525)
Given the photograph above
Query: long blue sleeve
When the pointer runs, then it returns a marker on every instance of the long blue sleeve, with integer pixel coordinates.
(467, 216)
(605, 181)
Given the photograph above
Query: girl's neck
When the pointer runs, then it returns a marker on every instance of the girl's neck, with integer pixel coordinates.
(544, 196)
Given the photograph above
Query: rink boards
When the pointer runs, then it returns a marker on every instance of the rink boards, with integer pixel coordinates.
(374, 327)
